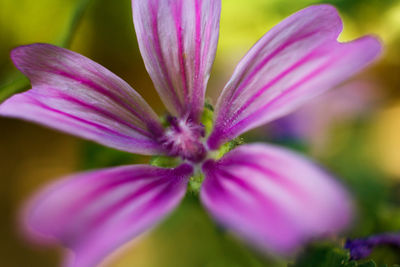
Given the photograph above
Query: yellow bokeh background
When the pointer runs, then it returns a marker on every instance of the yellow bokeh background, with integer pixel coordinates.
(31, 156)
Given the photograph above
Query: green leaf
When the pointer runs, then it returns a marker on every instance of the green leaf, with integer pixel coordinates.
(225, 148)
(164, 161)
(195, 183)
(330, 255)
(207, 117)
(367, 264)
(323, 255)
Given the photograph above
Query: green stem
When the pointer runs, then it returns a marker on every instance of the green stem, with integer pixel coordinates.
(18, 82)
(73, 25)
(243, 254)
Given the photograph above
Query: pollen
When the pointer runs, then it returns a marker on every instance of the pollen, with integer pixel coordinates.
(183, 138)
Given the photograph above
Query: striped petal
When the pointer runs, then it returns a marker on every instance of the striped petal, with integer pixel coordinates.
(178, 41)
(95, 212)
(273, 198)
(76, 95)
(295, 61)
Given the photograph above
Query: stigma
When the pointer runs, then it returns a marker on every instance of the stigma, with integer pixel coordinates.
(183, 138)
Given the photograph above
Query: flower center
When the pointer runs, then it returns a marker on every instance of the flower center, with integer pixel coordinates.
(183, 138)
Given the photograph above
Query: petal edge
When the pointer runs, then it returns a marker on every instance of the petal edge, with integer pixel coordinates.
(76, 95)
(295, 61)
(93, 213)
(274, 199)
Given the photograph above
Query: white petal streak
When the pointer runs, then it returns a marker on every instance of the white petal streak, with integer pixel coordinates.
(178, 41)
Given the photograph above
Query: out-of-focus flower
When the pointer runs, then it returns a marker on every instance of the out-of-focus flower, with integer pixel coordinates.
(271, 197)
(362, 247)
(313, 122)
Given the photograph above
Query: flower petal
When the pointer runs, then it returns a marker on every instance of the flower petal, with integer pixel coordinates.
(273, 198)
(93, 213)
(76, 95)
(295, 61)
(178, 40)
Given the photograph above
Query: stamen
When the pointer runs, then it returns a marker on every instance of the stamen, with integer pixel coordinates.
(183, 139)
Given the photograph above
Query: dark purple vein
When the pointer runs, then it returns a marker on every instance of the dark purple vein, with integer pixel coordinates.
(254, 71)
(119, 205)
(267, 86)
(104, 113)
(157, 47)
(100, 90)
(177, 15)
(197, 90)
(270, 103)
(83, 121)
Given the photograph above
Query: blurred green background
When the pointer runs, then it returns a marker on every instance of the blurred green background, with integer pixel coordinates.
(361, 146)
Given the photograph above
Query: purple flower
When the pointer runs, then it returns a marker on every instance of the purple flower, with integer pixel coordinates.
(362, 247)
(272, 198)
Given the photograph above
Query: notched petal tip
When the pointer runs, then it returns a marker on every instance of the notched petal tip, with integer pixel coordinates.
(17, 52)
(372, 46)
(76, 95)
(324, 12)
(295, 61)
(23, 56)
